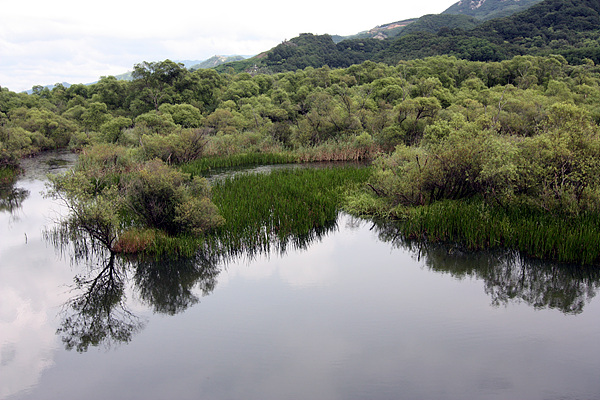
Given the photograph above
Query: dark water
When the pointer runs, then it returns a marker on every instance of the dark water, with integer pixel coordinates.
(358, 315)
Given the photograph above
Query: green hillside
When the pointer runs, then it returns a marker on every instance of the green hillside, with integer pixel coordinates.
(489, 9)
(432, 23)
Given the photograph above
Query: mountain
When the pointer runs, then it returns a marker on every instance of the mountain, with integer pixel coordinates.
(39, 88)
(481, 10)
(214, 61)
(561, 27)
(489, 9)
(432, 23)
(569, 28)
(379, 32)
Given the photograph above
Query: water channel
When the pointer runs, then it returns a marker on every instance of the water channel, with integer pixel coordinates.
(359, 314)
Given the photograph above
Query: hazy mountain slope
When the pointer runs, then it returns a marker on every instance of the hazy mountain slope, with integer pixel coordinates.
(216, 60)
(489, 9)
(379, 32)
(479, 9)
(432, 23)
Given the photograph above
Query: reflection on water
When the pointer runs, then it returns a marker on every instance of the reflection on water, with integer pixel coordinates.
(169, 286)
(11, 198)
(98, 314)
(30, 276)
(508, 277)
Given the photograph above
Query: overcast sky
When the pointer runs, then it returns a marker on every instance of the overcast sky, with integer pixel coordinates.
(44, 42)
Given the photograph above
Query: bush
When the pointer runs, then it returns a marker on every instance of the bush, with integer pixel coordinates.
(164, 198)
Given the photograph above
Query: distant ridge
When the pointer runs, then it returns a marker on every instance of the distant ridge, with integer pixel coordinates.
(216, 60)
(489, 9)
(379, 32)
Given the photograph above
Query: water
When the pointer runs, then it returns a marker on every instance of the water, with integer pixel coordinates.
(359, 315)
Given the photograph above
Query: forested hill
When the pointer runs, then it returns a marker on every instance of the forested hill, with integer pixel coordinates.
(489, 9)
(432, 23)
(570, 28)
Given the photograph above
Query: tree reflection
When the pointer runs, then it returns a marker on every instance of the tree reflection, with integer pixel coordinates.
(11, 198)
(169, 285)
(98, 314)
(508, 276)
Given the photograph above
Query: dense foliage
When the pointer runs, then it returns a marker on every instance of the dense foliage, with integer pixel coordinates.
(110, 195)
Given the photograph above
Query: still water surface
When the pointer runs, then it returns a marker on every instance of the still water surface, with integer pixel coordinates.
(357, 315)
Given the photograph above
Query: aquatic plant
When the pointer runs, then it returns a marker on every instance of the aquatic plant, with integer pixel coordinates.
(478, 225)
(280, 208)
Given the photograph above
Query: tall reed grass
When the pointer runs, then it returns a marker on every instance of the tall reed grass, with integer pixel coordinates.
(328, 151)
(535, 233)
(282, 208)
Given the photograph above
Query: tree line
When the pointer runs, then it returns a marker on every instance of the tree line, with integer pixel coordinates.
(179, 115)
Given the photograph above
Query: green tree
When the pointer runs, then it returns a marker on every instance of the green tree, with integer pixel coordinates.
(94, 116)
(155, 80)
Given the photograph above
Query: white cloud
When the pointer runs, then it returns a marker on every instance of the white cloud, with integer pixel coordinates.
(48, 42)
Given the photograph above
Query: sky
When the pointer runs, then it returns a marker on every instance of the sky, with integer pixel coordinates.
(45, 42)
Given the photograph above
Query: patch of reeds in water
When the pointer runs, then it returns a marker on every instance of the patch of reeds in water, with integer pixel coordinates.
(328, 151)
(280, 208)
(156, 244)
(477, 225)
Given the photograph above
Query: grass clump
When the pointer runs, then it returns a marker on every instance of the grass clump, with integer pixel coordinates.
(280, 207)
(479, 225)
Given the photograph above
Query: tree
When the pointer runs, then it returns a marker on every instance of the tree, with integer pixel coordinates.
(94, 116)
(155, 80)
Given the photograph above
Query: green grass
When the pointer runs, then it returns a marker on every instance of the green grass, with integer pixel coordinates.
(282, 208)
(535, 233)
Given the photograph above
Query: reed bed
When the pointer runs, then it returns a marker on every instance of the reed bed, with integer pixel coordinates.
(477, 225)
(329, 151)
(282, 208)
(337, 151)
(155, 243)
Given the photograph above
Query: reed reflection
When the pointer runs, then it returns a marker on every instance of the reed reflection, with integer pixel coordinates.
(507, 276)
